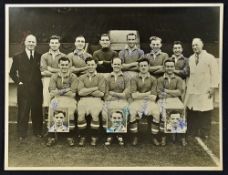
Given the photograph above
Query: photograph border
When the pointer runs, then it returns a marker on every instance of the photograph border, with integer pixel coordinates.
(146, 5)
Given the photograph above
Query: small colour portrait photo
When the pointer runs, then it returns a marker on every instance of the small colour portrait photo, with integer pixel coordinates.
(58, 121)
(117, 122)
(175, 122)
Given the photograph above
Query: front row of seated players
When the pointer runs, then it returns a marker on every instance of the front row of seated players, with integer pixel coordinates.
(120, 94)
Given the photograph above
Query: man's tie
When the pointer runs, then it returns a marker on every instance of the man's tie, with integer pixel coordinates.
(31, 57)
(197, 59)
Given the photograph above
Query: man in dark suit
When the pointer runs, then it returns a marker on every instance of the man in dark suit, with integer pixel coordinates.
(25, 72)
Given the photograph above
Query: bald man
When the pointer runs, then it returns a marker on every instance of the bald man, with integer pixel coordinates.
(204, 78)
(25, 72)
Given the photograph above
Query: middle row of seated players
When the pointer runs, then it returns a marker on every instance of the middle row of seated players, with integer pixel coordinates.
(117, 91)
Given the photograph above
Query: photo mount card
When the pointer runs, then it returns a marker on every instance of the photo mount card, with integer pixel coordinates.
(175, 121)
(58, 120)
(117, 121)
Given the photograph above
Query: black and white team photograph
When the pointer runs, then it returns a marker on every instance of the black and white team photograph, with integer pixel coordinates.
(113, 87)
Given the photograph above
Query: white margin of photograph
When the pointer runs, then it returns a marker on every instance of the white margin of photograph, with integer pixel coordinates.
(218, 168)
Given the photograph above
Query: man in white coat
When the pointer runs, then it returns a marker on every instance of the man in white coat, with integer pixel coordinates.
(203, 80)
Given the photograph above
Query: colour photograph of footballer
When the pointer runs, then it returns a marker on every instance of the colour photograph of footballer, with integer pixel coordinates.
(118, 123)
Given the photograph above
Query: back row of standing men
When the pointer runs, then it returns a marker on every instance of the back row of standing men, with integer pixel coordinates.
(122, 84)
(129, 56)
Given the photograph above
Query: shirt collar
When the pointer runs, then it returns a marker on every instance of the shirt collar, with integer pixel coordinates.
(157, 53)
(93, 75)
(119, 74)
(60, 128)
(141, 75)
(166, 76)
(51, 52)
(65, 76)
(128, 48)
(201, 53)
(28, 52)
(106, 49)
(179, 57)
(79, 52)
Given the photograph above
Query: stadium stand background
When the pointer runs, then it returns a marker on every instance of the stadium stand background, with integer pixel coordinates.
(169, 23)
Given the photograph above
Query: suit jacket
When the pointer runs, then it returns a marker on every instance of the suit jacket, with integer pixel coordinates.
(22, 70)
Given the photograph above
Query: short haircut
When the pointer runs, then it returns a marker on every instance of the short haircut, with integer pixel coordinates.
(131, 34)
(177, 42)
(143, 59)
(118, 112)
(30, 35)
(169, 60)
(116, 58)
(79, 36)
(63, 58)
(155, 38)
(59, 111)
(90, 59)
(54, 37)
(105, 35)
(198, 39)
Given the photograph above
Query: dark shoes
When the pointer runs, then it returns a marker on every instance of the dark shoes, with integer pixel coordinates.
(70, 141)
(38, 135)
(82, 141)
(108, 141)
(93, 141)
(156, 142)
(50, 142)
(120, 140)
(22, 140)
(134, 141)
(163, 141)
(204, 136)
